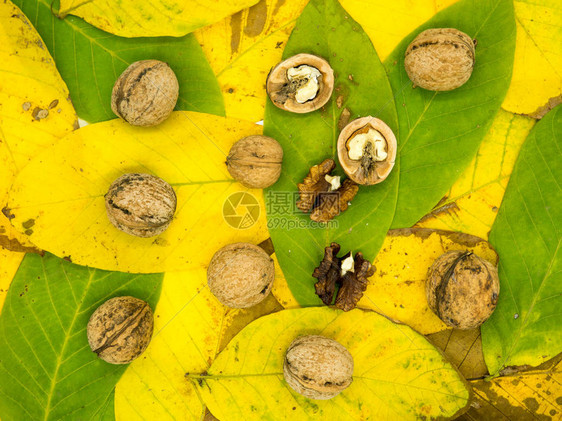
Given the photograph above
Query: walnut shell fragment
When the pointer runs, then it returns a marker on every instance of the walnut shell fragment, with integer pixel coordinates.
(301, 84)
(318, 367)
(367, 150)
(349, 273)
(322, 194)
(120, 329)
(240, 275)
(255, 161)
(140, 204)
(462, 289)
(440, 59)
(146, 93)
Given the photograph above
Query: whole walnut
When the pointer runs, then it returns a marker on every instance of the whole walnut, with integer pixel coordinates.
(146, 93)
(140, 204)
(440, 59)
(318, 367)
(255, 161)
(120, 329)
(462, 289)
(240, 275)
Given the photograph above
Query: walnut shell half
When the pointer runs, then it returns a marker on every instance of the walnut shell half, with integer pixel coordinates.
(440, 59)
(318, 367)
(367, 150)
(462, 289)
(120, 329)
(301, 93)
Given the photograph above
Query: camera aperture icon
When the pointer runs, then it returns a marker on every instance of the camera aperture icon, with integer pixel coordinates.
(241, 210)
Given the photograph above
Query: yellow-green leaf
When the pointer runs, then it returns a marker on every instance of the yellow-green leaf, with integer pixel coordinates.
(537, 70)
(529, 395)
(132, 18)
(244, 47)
(191, 327)
(397, 289)
(472, 203)
(35, 109)
(397, 373)
(58, 199)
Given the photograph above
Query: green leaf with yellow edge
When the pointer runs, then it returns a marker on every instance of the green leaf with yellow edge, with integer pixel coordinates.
(397, 289)
(91, 60)
(397, 373)
(440, 132)
(536, 85)
(526, 327)
(130, 18)
(535, 394)
(47, 368)
(58, 199)
(191, 327)
(244, 47)
(471, 205)
(361, 89)
(35, 109)
(9, 263)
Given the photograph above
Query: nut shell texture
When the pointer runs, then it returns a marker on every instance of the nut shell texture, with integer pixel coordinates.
(240, 275)
(255, 161)
(278, 85)
(120, 329)
(318, 367)
(146, 93)
(361, 172)
(462, 289)
(140, 204)
(440, 59)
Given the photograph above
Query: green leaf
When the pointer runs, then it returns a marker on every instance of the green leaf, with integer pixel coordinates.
(440, 133)
(47, 368)
(325, 29)
(397, 374)
(526, 327)
(90, 61)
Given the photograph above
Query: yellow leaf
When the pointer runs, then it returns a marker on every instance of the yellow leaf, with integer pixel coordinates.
(387, 23)
(191, 327)
(280, 288)
(529, 395)
(9, 264)
(472, 203)
(35, 109)
(397, 289)
(537, 71)
(244, 47)
(133, 18)
(397, 373)
(58, 199)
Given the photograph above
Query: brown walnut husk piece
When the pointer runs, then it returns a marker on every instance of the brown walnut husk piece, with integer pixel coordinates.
(318, 367)
(146, 93)
(352, 283)
(462, 289)
(120, 329)
(316, 197)
(440, 59)
(255, 161)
